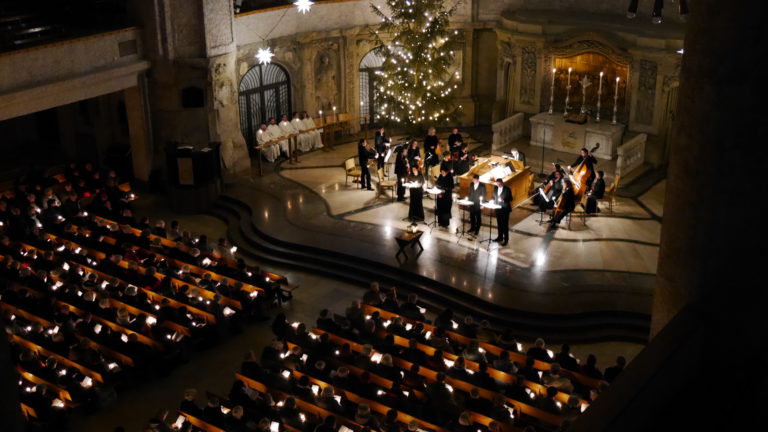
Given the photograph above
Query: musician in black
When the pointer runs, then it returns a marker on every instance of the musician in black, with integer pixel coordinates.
(381, 145)
(431, 141)
(551, 192)
(416, 206)
(401, 171)
(595, 193)
(517, 155)
(551, 175)
(414, 154)
(476, 195)
(461, 163)
(444, 199)
(455, 142)
(364, 154)
(502, 196)
(568, 204)
(447, 164)
(588, 159)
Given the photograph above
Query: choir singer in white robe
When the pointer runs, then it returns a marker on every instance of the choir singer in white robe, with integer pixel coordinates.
(269, 151)
(316, 134)
(288, 130)
(277, 132)
(304, 138)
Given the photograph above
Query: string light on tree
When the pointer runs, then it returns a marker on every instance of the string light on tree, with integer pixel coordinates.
(264, 55)
(303, 5)
(416, 83)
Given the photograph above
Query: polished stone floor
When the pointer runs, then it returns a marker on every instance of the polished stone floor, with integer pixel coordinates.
(609, 264)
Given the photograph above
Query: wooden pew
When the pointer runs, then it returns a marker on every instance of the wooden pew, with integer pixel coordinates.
(106, 350)
(181, 246)
(209, 295)
(431, 375)
(200, 424)
(279, 395)
(62, 392)
(490, 348)
(61, 359)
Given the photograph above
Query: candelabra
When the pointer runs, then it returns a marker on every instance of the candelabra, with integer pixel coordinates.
(615, 100)
(552, 93)
(567, 93)
(584, 84)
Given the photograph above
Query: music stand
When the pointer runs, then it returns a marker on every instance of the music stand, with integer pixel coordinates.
(435, 192)
(464, 204)
(490, 206)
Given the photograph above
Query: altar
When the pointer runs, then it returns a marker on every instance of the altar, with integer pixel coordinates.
(553, 132)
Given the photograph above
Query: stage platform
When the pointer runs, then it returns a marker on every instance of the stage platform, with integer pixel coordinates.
(598, 276)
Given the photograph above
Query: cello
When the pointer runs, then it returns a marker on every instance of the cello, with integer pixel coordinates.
(578, 177)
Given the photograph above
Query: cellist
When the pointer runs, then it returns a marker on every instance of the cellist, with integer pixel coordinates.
(590, 161)
(568, 204)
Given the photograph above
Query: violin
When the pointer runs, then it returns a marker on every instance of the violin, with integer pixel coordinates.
(579, 177)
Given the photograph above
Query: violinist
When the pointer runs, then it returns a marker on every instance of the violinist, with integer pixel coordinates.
(590, 161)
(595, 193)
(401, 171)
(364, 154)
(569, 203)
(381, 145)
(414, 154)
(431, 141)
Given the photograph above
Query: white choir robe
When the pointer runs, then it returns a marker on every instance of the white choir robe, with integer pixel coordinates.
(270, 152)
(277, 132)
(316, 136)
(304, 140)
(287, 129)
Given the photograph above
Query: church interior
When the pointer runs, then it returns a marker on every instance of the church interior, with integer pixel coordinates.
(380, 215)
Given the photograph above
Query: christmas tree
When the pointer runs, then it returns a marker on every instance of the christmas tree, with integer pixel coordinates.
(415, 85)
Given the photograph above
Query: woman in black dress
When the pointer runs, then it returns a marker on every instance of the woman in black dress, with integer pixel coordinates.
(415, 207)
(445, 199)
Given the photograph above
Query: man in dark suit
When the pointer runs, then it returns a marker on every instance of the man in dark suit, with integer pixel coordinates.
(518, 155)
(476, 194)
(455, 141)
(363, 155)
(502, 196)
(380, 145)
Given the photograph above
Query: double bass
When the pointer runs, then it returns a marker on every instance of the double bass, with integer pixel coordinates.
(579, 177)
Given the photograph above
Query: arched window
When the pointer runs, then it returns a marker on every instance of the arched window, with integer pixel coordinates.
(369, 65)
(265, 91)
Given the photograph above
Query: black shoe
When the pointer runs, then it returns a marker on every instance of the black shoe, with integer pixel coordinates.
(504, 243)
(496, 240)
(369, 188)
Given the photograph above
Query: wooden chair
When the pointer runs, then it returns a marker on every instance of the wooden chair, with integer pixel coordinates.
(351, 170)
(385, 184)
(610, 193)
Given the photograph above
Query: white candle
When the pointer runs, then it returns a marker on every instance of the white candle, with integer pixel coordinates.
(616, 95)
(600, 84)
(569, 76)
(553, 76)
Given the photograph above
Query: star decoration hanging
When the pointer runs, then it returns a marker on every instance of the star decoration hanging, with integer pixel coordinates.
(264, 55)
(303, 5)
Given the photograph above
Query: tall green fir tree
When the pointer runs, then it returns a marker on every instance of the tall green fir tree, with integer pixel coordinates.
(415, 86)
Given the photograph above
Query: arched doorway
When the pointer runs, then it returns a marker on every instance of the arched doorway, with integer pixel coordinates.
(265, 91)
(369, 66)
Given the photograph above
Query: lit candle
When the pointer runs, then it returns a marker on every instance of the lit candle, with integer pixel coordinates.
(600, 84)
(616, 95)
(322, 120)
(553, 76)
(569, 76)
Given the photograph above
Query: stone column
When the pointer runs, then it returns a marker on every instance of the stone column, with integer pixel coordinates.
(711, 211)
(136, 110)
